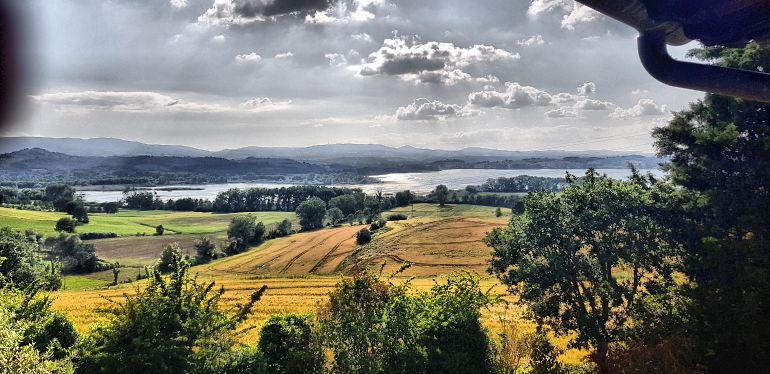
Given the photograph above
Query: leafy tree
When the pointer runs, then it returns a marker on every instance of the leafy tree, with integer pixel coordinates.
(80, 214)
(311, 213)
(346, 203)
(288, 345)
(498, 212)
(581, 260)
(21, 264)
(111, 207)
(718, 150)
(66, 224)
(140, 200)
(244, 231)
(59, 195)
(159, 230)
(441, 193)
(175, 324)
(335, 216)
(404, 198)
(170, 257)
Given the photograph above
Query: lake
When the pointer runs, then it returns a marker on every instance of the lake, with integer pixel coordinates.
(391, 183)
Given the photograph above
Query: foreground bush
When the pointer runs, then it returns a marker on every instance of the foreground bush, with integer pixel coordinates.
(20, 262)
(174, 324)
(363, 236)
(288, 345)
(372, 326)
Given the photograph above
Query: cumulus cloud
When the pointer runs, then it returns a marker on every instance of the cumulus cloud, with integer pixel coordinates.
(531, 41)
(579, 14)
(431, 62)
(336, 59)
(251, 58)
(345, 11)
(591, 104)
(538, 7)
(562, 112)
(123, 102)
(178, 4)
(263, 104)
(427, 110)
(643, 108)
(218, 38)
(587, 88)
(513, 97)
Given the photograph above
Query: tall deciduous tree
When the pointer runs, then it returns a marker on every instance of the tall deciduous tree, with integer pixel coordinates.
(719, 149)
(582, 259)
(441, 192)
(311, 213)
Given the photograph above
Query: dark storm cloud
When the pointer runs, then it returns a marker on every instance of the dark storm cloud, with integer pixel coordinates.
(269, 8)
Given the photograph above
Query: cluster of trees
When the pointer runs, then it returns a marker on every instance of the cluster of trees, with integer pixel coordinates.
(146, 200)
(523, 183)
(660, 276)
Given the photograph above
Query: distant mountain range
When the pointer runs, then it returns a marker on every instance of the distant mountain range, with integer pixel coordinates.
(355, 154)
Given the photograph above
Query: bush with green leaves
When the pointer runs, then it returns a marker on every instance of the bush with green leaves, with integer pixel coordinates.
(170, 256)
(22, 264)
(373, 326)
(18, 356)
(335, 216)
(76, 256)
(159, 230)
(397, 217)
(206, 250)
(174, 324)
(289, 346)
(66, 224)
(363, 236)
(45, 329)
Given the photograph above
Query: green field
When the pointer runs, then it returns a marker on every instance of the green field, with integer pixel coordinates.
(133, 222)
(448, 211)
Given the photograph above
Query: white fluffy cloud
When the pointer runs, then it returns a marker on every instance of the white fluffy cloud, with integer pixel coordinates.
(513, 97)
(645, 107)
(538, 7)
(123, 102)
(531, 41)
(427, 110)
(178, 4)
(591, 104)
(588, 88)
(580, 14)
(264, 104)
(250, 58)
(431, 62)
(562, 112)
(336, 59)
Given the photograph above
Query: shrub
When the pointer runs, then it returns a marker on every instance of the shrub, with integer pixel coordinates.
(41, 326)
(397, 217)
(170, 256)
(20, 262)
(205, 250)
(498, 212)
(76, 256)
(174, 325)
(80, 214)
(335, 216)
(363, 236)
(288, 345)
(66, 224)
(372, 326)
(97, 235)
(159, 230)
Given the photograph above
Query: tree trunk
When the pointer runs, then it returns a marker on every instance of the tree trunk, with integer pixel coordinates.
(601, 358)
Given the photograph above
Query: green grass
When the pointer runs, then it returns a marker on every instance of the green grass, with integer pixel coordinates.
(132, 222)
(83, 282)
(449, 211)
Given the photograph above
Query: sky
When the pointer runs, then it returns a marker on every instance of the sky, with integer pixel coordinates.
(216, 74)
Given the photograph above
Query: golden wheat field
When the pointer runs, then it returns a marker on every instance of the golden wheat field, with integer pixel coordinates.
(300, 270)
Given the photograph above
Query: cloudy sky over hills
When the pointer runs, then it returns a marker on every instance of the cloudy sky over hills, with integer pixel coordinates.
(513, 74)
